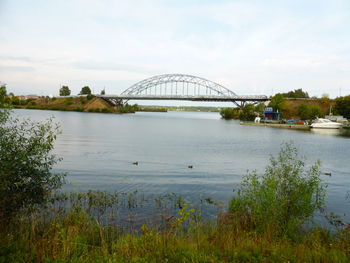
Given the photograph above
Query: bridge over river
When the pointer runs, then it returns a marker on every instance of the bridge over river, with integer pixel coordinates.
(180, 87)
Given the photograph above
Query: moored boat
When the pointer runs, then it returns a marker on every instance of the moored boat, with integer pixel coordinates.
(321, 123)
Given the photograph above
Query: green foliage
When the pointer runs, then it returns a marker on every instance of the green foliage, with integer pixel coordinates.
(283, 198)
(315, 111)
(85, 91)
(248, 113)
(106, 110)
(342, 106)
(3, 94)
(229, 113)
(129, 108)
(298, 93)
(306, 112)
(26, 162)
(65, 91)
(90, 97)
(278, 102)
(303, 111)
(103, 92)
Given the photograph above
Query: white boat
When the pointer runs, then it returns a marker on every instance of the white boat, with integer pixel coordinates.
(320, 123)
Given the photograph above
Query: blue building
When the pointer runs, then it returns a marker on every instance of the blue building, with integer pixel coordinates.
(269, 114)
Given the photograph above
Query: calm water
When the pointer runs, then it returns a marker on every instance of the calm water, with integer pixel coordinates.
(98, 151)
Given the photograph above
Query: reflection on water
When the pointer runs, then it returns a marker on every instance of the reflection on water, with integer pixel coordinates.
(331, 132)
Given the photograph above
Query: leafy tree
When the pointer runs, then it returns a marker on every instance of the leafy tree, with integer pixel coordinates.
(278, 102)
(229, 113)
(248, 113)
(298, 93)
(303, 111)
(103, 92)
(85, 91)
(65, 91)
(342, 106)
(282, 199)
(26, 162)
(3, 94)
(315, 112)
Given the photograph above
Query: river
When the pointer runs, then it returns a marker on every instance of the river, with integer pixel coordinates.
(99, 150)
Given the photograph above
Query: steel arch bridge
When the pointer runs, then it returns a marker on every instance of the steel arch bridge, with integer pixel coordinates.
(180, 87)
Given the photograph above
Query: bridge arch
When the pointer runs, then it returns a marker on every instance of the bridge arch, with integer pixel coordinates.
(177, 84)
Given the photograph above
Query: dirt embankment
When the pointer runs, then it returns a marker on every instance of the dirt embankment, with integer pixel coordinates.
(82, 104)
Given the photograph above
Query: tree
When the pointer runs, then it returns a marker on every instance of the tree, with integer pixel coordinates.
(85, 91)
(3, 94)
(248, 113)
(103, 92)
(282, 199)
(315, 111)
(229, 113)
(342, 106)
(303, 111)
(26, 162)
(65, 91)
(278, 102)
(298, 93)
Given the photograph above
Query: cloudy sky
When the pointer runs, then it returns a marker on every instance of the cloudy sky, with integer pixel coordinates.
(250, 47)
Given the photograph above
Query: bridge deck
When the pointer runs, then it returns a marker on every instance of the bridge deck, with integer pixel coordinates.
(186, 97)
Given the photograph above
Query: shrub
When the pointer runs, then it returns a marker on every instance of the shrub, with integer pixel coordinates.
(90, 96)
(283, 198)
(342, 106)
(26, 162)
(315, 112)
(248, 113)
(229, 113)
(106, 110)
(303, 111)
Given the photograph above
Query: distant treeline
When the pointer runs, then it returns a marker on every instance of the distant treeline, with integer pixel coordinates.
(293, 105)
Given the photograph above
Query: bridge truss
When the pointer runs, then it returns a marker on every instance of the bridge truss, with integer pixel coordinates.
(180, 87)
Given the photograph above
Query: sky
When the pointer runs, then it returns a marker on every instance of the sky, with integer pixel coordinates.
(251, 47)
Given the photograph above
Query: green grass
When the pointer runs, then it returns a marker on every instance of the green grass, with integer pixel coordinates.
(77, 237)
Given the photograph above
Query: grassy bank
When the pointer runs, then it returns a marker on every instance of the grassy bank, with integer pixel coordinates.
(77, 237)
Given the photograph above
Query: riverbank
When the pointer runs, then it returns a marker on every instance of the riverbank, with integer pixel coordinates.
(77, 236)
(278, 125)
(79, 104)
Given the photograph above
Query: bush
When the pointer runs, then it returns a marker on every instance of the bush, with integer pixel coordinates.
(90, 96)
(282, 199)
(248, 113)
(342, 106)
(229, 113)
(303, 111)
(306, 112)
(106, 110)
(26, 162)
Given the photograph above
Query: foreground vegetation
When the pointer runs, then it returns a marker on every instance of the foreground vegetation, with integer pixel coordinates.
(269, 219)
